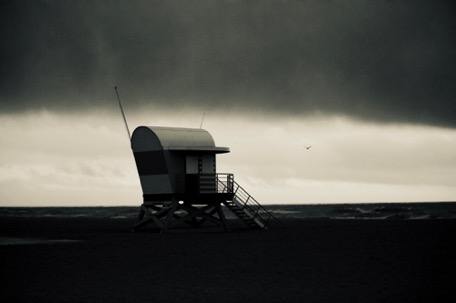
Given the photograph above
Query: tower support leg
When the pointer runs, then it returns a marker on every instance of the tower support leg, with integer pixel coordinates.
(167, 214)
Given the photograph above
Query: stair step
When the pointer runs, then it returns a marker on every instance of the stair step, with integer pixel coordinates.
(244, 206)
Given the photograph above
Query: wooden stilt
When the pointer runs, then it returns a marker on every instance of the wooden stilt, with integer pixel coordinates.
(221, 215)
(169, 215)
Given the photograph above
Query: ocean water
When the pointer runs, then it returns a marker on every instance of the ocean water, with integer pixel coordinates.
(368, 211)
(362, 211)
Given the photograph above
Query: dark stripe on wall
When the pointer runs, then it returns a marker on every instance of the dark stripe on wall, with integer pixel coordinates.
(151, 163)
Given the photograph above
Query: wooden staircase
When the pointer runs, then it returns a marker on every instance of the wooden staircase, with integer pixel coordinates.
(241, 214)
(245, 207)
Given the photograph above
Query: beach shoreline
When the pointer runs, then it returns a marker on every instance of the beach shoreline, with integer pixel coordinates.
(308, 260)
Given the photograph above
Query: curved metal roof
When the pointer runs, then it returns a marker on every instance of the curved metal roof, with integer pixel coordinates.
(179, 139)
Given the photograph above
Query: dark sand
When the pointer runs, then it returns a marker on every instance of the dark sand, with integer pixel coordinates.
(307, 261)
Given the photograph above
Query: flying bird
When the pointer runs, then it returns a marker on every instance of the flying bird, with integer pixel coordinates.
(308, 147)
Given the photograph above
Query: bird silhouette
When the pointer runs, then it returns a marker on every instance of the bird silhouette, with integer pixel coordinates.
(308, 147)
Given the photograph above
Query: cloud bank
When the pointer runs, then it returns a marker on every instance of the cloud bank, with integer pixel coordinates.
(388, 61)
(66, 159)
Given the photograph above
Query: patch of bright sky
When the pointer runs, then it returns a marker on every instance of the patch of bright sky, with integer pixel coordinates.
(50, 159)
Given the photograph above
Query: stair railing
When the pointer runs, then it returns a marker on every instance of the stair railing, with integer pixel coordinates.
(225, 183)
(245, 201)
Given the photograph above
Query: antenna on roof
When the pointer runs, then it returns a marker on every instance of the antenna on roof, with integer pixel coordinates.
(202, 120)
(123, 114)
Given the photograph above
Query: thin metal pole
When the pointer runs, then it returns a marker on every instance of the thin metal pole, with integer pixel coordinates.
(202, 120)
(123, 114)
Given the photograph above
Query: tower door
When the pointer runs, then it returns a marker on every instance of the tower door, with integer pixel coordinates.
(208, 164)
(192, 165)
(200, 164)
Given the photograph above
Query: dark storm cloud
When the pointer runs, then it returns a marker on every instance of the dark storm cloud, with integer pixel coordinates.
(387, 61)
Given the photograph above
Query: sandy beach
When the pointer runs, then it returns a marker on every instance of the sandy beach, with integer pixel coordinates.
(100, 260)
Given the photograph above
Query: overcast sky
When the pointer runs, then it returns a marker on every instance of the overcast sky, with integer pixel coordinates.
(369, 84)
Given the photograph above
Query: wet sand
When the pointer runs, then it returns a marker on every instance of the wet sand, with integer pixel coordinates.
(307, 261)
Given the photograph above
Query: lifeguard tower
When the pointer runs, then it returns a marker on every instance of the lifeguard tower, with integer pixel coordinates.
(180, 182)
